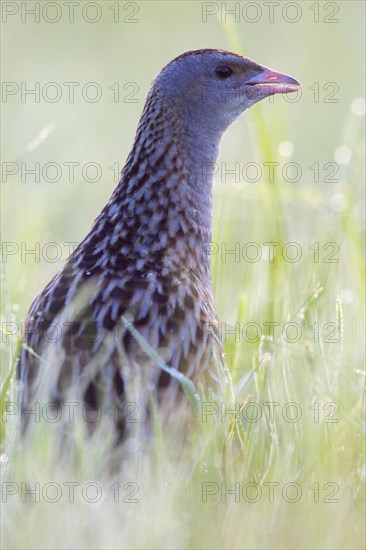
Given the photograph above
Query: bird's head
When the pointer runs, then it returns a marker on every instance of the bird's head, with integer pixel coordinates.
(211, 88)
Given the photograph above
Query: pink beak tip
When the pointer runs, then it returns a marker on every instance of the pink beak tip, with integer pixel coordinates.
(275, 82)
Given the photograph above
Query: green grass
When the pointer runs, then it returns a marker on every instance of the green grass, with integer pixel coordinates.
(180, 480)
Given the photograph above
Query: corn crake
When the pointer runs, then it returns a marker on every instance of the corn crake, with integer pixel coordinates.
(146, 258)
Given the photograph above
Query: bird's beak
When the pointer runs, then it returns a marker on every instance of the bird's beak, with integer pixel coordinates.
(270, 82)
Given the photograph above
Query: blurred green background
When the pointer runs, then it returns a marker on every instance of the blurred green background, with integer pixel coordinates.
(325, 126)
(106, 52)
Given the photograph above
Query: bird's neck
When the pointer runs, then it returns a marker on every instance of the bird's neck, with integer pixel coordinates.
(163, 201)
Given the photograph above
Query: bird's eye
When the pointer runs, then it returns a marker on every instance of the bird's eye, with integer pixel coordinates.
(222, 71)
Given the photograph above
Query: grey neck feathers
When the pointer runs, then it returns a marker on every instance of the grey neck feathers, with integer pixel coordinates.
(164, 195)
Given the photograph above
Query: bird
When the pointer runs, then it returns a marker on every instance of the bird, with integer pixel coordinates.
(145, 262)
